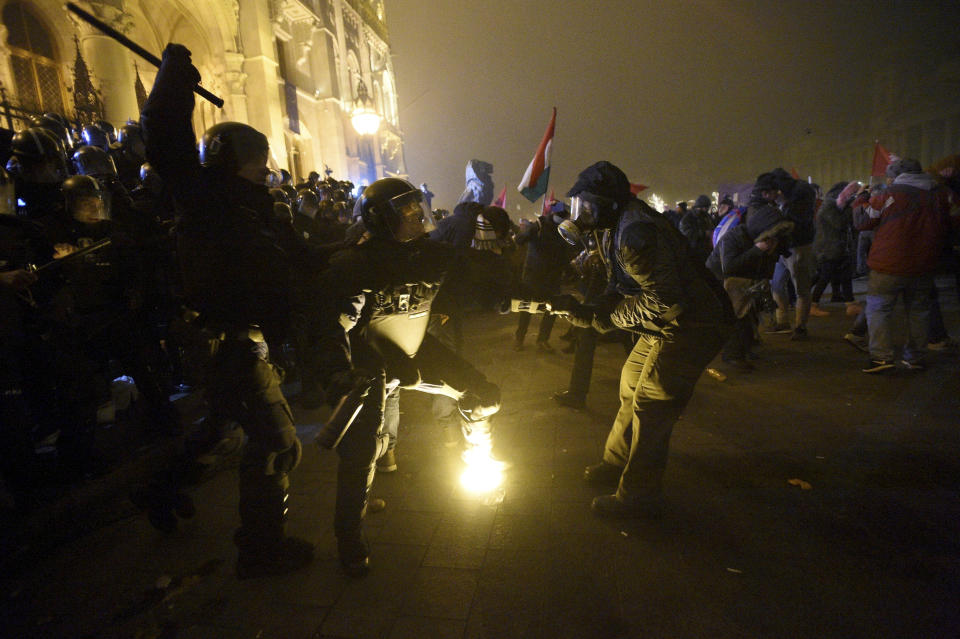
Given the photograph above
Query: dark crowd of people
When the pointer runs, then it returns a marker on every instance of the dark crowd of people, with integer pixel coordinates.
(137, 252)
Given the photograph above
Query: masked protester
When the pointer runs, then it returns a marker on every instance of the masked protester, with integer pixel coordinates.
(681, 316)
(235, 258)
(380, 293)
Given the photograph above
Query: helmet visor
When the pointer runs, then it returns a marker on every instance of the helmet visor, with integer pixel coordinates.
(89, 209)
(410, 219)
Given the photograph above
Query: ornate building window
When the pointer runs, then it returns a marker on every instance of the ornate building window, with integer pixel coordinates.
(36, 73)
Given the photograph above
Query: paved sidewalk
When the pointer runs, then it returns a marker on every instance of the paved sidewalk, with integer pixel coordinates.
(871, 549)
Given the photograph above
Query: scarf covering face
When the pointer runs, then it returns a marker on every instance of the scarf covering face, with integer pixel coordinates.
(485, 238)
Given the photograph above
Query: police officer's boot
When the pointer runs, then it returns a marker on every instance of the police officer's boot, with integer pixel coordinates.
(263, 547)
(353, 486)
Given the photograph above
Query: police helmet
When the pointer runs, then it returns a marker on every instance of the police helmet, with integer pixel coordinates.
(392, 208)
(94, 136)
(307, 202)
(51, 123)
(279, 195)
(230, 145)
(130, 137)
(285, 177)
(108, 129)
(150, 179)
(37, 156)
(95, 162)
(84, 199)
(36, 144)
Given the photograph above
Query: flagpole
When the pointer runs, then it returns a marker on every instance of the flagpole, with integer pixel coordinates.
(546, 186)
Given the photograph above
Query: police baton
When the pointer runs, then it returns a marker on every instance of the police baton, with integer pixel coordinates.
(136, 48)
(50, 266)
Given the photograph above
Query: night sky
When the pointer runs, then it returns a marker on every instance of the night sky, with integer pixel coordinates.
(681, 95)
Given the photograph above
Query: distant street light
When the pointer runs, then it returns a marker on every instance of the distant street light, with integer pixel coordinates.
(365, 119)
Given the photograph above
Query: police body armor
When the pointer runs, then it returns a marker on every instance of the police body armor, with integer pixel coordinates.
(401, 314)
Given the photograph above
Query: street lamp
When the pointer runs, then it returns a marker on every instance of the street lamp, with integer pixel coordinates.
(365, 119)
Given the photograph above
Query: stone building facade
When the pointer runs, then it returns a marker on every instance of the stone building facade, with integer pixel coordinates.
(290, 68)
(912, 112)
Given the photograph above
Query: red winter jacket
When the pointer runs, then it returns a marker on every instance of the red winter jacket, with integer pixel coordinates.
(911, 223)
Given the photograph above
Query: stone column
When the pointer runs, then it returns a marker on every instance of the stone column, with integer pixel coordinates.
(236, 80)
(264, 111)
(110, 63)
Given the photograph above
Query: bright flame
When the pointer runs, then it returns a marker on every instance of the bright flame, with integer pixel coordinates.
(483, 473)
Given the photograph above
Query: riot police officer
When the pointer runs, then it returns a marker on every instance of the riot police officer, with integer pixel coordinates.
(38, 167)
(374, 331)
(235, 259)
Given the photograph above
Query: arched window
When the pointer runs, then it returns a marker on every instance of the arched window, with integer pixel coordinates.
(36, 74)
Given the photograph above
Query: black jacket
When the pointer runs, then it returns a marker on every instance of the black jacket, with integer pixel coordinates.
(656, 285)
(234, 256)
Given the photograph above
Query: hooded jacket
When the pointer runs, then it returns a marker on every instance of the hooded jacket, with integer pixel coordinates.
(479, 183)
(458, 229)
(911, 223)
(833, 225)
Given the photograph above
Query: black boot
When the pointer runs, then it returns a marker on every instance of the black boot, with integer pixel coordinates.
(353, 487)
(264, 549)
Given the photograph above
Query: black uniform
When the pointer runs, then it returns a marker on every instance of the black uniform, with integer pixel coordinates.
(235, 261)
(375, 325)
(21, 367)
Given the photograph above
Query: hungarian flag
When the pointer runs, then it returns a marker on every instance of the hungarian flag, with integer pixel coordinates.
(534, 182)
(636, 188)
(881, 160)
(501, 200)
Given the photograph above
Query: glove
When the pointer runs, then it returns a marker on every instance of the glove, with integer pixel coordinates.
(602, 323)
(480, 402)
(285, 461)
(341, 383)
(580, 315)
(177, 56)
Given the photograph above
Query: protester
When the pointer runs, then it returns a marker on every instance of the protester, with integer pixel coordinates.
(681, 316)
(547, 256)
(911, 223)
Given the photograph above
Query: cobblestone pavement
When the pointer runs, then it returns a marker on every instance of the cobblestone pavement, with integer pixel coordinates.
(871, 549)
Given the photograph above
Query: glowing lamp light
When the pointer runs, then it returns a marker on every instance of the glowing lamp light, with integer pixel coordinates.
(365, 119)
(657, 203)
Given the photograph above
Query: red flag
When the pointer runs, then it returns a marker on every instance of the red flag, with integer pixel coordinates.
(881, 160)
(548, 202)
(501, 200)
(793, 173)
(636, 188)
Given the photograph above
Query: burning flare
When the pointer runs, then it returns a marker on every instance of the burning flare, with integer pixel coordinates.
(483, 473)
